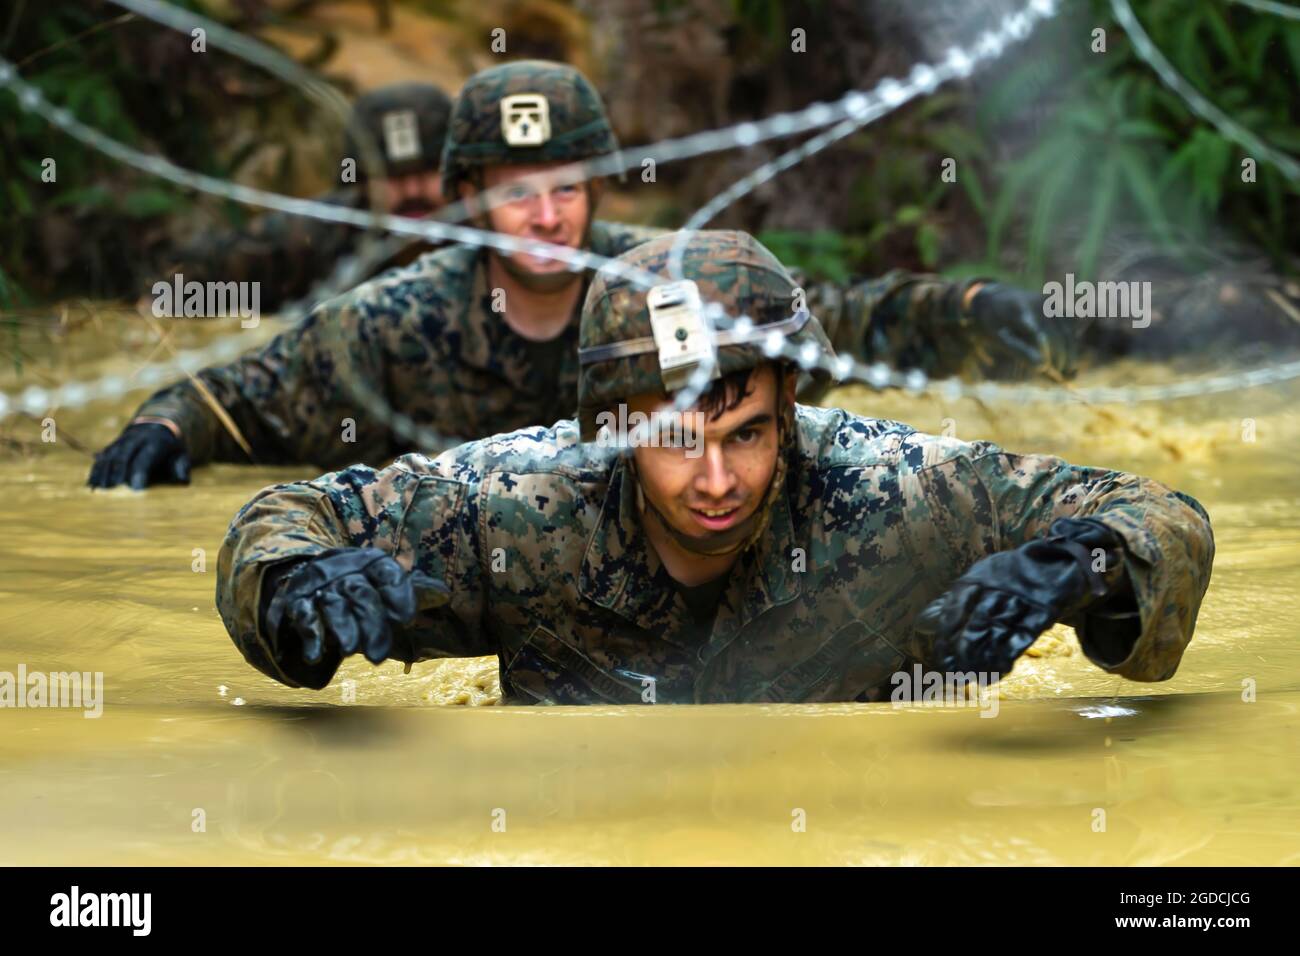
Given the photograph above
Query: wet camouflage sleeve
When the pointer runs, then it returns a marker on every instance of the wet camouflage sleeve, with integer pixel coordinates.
(428, 514)
(1169, 545)
(424, 339)
(902, 319)
(879, 520)
(288, 398)
(287, 255)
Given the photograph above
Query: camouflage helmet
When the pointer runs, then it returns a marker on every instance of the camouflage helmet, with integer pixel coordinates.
(407, 123)
(624, 351)
(529, 111)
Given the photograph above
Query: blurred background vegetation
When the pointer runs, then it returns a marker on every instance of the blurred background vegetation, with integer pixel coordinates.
(1067, 160)
(1059, 155)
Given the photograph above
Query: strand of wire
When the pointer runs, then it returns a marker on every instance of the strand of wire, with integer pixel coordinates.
(1268, 6)
(259, 54)
(889, 95)
(876, 375)
(1198, 104)
(864, 108)
(746, 134)
(879, 375)
(73, 394)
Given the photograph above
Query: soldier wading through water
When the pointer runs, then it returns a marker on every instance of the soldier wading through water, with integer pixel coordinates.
(472, 341)
(807, 555)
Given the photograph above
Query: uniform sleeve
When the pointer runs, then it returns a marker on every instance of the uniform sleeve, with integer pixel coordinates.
(1168, 553)
(289, 399)
(903, 319)
(427, 522)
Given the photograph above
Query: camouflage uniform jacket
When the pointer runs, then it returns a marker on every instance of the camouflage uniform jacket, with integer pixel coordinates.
(423, 340)
(426, 342)
(539, 540)
(287, 255)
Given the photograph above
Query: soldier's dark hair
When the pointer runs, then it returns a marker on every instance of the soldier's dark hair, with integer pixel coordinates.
(726, 393)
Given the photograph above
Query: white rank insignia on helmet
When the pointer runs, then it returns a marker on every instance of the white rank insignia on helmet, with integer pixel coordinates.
(401, 135)
(525, 119)
(683, 340)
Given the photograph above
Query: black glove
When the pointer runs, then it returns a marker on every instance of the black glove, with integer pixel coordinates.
(344, 601)
(994, 611)
(144, 454)
(1018, 335)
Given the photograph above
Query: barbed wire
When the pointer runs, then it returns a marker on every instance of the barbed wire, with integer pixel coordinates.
(889, 95)
(1267, 6)
(851, 112)
(1198, 104)
(863, 107)
(32, 100)
(879, 375)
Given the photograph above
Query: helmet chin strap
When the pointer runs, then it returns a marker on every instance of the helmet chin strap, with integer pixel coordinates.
(713, 544)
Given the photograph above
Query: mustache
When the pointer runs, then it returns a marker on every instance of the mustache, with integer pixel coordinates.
(415, 207)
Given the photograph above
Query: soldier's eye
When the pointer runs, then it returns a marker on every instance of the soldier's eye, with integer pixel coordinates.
(565, 192)
(516, 194)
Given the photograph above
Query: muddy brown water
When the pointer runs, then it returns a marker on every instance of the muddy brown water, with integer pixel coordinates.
(196, 758)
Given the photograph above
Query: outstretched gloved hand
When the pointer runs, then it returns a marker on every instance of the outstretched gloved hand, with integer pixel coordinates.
(144, 454)
(994, 611)
(344, 599)
(1018, 335)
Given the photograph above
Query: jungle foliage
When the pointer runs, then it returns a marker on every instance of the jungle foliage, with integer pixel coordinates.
(1055, 156)
(89, 230)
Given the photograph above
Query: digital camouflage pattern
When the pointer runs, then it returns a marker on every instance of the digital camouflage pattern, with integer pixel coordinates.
(579, 128)
(426, 341)
(730, 269)
(539, 540)
(909, 320)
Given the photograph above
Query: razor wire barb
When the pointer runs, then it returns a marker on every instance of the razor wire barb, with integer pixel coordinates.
(844, 116)
(854, 104)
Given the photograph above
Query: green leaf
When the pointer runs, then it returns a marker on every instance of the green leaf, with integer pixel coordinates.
(1259, 38)
(1142, 129)
(1047, 210)
(1099, 217)
(1287, 138)
(974, 189)
(928, 244)
(18, 197)
(1091, 120)
(1139, 182)
(1223, 37)
(1291, 36)
(1190, 57)
(148, 201)
(1017, 177)
(908, 215)
(86, 197)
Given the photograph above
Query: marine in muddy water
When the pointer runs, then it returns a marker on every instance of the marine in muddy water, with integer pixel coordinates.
(804, 554)
(288, 255)
(472, 342)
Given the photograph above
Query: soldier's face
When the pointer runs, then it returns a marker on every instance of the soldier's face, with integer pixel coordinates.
(708, 495)
(416, 195)
(544, 211)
